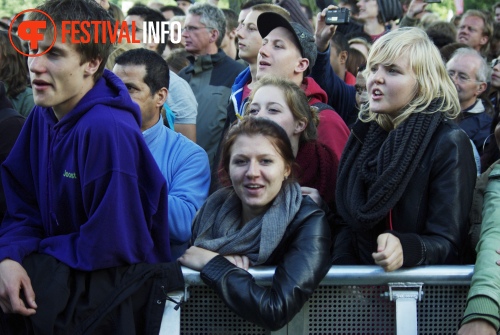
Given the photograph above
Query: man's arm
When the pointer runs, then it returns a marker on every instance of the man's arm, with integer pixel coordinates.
(483, 300)
(125, 204)
(411, 18)
(188, 189)
(21, 229)
(183, 104)
(341, 97)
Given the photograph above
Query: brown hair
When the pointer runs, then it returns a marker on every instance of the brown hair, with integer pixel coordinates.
(79, 10)
(354, 61)
(13, 67)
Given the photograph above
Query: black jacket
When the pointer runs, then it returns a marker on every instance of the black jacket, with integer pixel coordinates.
(302, 259)
(431, 217)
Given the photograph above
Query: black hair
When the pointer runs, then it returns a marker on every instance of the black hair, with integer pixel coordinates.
(340, 42)
(157, 72)
(176, 10)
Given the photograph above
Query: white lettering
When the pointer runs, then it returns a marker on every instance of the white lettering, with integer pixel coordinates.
(176, 25)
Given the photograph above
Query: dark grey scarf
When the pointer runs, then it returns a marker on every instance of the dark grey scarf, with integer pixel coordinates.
(216, 227)
(374, 172)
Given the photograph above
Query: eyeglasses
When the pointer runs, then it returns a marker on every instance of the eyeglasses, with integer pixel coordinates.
(461, 77)
(192, 29)
(495, 62)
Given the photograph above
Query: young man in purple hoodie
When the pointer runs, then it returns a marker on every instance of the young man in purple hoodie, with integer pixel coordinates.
(86, 217)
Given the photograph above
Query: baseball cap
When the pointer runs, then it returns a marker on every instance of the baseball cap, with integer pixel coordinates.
(266, 22)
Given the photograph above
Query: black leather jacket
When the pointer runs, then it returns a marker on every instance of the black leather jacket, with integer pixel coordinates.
(302, 260)
(431, 217)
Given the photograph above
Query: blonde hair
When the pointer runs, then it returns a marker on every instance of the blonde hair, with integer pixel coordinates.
(432, 80)
(296, 100)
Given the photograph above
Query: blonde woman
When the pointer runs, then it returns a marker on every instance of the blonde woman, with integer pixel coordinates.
(407, 173)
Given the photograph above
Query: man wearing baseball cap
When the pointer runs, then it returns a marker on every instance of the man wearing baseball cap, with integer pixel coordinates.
(289, 51)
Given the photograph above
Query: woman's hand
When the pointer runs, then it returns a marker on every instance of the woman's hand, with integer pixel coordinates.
(313, 193)
(196, 258)
(240, 261)
(389, 253)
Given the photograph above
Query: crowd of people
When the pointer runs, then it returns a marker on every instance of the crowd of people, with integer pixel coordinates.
(267, 136)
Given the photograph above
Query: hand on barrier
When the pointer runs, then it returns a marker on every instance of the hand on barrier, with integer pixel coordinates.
(240, 261)
(196, 258)
(389, 253)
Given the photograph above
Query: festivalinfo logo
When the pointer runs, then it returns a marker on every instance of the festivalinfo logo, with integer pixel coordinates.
(78, 32)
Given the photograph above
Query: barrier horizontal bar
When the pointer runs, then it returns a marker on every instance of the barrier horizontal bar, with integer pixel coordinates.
(366, 275)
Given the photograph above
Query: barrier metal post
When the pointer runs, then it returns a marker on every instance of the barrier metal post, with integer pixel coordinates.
(406, 296)
(171, 320)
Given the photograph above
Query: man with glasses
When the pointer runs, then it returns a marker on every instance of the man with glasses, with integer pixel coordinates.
(469, 71)
(210, 74)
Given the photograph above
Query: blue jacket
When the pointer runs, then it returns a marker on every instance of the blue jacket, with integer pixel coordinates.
(236, 105)
(185, 166)
(476, 123)
(86, 189)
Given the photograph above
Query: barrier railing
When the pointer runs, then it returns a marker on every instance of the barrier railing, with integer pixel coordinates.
(350, 300)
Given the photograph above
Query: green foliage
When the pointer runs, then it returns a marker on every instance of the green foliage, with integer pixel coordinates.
(480, 4)
(443, 9)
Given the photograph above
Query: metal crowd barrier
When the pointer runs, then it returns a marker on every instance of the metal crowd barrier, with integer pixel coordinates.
(351, 300)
